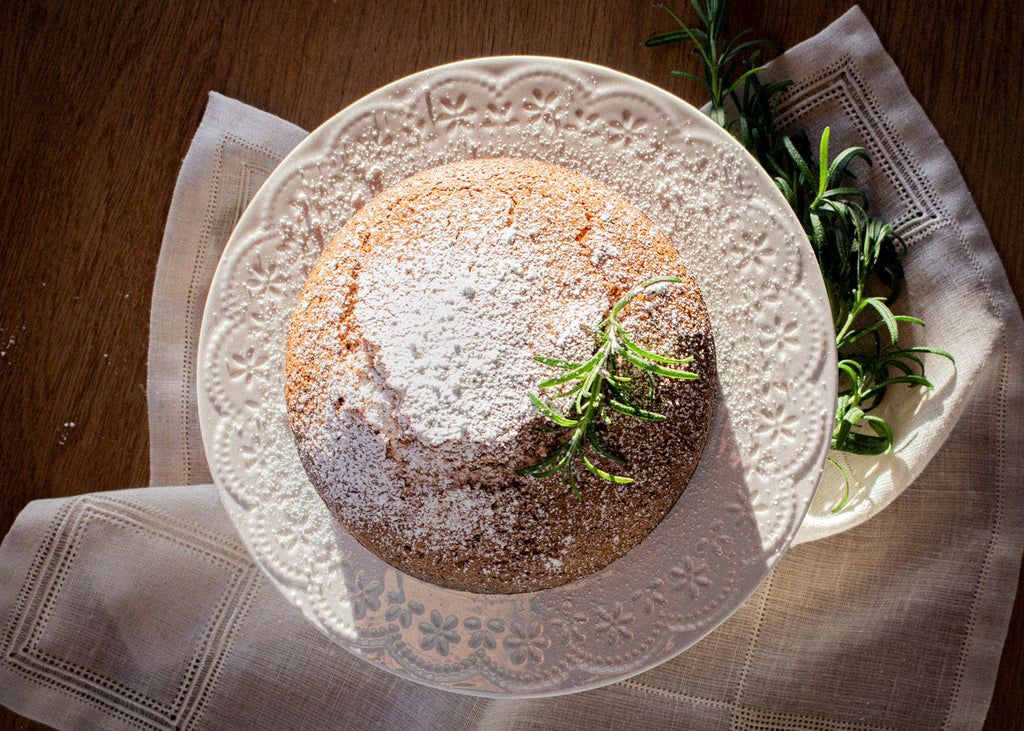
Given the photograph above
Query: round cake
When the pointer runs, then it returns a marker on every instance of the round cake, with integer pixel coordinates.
(412, 357)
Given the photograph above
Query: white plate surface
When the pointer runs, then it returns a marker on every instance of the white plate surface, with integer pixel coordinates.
(769, 438)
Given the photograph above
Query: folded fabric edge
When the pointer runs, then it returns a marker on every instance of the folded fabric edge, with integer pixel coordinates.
(177, 281)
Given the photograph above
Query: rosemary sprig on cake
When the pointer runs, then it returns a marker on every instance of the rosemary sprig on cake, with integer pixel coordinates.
(859, 256)
(590, 389)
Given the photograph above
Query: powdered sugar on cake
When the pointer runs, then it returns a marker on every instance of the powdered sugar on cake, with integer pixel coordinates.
(453, 323)
(411, 355)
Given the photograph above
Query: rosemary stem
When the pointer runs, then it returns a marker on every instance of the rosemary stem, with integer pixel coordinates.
(858, 304)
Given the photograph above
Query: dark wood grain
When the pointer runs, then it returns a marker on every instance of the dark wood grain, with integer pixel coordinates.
(99, 101)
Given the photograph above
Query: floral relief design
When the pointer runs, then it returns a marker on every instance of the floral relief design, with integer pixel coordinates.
(690, 576)
(778, 336)
(614, 624)
(583, 122)
(718, 542)
(455, 114)
(439, 632)
(484, 635)
(385, 131)
(651, 596)
(747, 506)
(627, 130)
(266, 279)
(499, 115)
(289, 540)
(776, 424)
(366, 596)
(758, 253)
(250, 453)
(243, 366)
(302, 227)
(251, 446)
(541, 108)
(402, 613)
(526, 643)
(379, 134)
(570, 629)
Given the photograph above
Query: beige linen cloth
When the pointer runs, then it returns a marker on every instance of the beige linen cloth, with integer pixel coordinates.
(141, 608)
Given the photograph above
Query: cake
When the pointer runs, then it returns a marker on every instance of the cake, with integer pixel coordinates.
(410, 360)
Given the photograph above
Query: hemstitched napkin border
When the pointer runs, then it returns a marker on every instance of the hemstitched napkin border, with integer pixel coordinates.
(61, 584)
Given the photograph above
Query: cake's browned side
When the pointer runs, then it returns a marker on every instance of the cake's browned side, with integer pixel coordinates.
(507, 533)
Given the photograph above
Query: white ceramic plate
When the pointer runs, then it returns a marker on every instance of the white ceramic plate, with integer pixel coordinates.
(769, 438)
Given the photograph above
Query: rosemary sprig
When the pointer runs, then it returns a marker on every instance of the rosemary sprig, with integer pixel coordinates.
(723, 68)
(596, 386)
(860, 257)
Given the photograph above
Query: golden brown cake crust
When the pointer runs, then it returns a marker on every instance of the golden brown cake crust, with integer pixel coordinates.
(409, 359)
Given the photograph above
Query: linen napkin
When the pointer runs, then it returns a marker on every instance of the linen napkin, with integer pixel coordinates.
(141, 608)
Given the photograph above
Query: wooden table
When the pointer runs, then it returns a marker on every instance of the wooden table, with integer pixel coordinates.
(100, 101)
